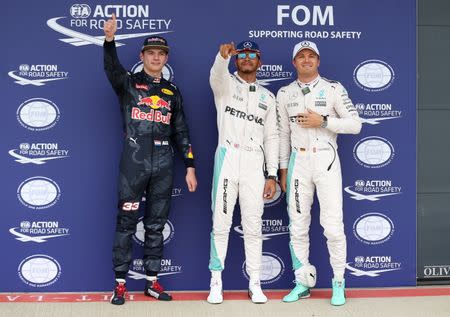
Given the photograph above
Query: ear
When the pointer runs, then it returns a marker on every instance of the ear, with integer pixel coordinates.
(318, 62)
(141, 56)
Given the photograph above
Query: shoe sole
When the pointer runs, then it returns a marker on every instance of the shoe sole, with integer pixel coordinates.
(111, 300)
(298, 298)
(158, 298)
(345, 300)
(334, 304)
(215, 303)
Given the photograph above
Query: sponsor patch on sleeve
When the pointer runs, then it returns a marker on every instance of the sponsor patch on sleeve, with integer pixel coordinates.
(190, 154)
(167, 91)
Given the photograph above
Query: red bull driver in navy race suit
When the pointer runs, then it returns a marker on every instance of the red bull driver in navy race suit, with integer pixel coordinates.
(153, 119)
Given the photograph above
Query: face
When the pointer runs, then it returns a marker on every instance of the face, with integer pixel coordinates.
(306, 62)
(249, 64)
(154, 60)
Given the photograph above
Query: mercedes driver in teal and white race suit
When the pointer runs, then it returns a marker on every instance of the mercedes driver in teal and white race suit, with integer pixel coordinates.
(246, 160)
(312, 110)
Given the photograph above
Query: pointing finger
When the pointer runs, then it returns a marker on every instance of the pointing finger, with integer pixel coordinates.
(233, 49)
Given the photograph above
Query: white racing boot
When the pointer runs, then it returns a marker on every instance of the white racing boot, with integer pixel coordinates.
(215, 293)
(255, 292)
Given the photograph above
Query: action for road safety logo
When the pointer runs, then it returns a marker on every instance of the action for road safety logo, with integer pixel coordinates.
(38, 153)
(38, 231)
(168, 267)
(372, 266)
(271, 228)
(376, 113)
(37, 75)
(372, 189)
(86, 23)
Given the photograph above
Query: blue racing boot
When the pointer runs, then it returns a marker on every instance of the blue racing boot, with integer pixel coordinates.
(298, 292)
(338, 298)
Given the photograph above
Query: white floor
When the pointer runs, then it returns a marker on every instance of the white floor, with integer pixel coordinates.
(435, 306)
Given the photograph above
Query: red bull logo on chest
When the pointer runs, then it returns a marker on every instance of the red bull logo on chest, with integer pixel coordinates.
(154, 102)
(153, 115)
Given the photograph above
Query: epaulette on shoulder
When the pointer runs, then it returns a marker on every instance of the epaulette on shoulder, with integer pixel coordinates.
(173, 85)
(331, 81)
(268, 92)
(285, 88)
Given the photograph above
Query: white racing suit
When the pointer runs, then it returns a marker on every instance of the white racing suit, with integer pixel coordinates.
(310, 155)
(247, 147)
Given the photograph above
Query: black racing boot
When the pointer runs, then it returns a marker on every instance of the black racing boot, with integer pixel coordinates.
(154, 289)
(120, 290)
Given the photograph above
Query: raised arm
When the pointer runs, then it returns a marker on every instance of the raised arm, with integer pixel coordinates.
(220, 76)
(117, 75)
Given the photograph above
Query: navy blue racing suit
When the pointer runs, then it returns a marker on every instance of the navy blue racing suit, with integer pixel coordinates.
(153, 120)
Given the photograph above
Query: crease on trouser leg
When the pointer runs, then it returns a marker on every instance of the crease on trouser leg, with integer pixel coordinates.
(329, 192)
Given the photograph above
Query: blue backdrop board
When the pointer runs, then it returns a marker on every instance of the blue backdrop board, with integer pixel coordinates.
(62, 137)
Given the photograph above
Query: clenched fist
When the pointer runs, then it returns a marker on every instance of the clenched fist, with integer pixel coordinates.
(110, 28)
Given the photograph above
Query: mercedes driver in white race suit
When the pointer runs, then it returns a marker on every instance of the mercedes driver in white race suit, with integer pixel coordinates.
(312, 110)
(246, 160)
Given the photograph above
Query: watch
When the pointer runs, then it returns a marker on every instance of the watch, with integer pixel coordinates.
(325, 122)
(272, 177)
